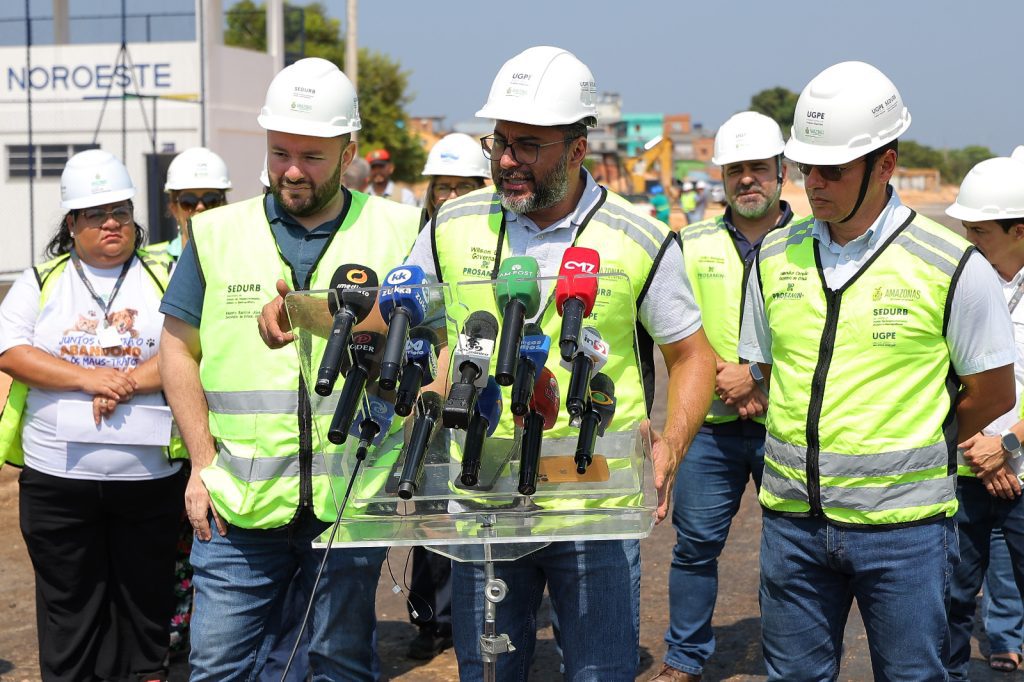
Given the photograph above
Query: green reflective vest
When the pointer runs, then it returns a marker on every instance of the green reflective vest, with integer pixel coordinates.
(267, 464)
(718, 276)
(157, 266)
(688, 201)
(861, 387)
(469, 238)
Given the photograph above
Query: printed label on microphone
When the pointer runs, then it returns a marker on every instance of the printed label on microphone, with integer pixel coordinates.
(476, 346)
(581, 266)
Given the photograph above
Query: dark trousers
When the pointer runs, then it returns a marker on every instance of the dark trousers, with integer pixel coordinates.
(430, 591)
(103, 553)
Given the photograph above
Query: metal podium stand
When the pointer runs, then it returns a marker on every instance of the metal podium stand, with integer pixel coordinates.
(490, 522)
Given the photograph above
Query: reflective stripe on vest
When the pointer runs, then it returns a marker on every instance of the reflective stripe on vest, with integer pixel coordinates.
(13, 414)
(260, 414)
(859, 378)
(465, 242)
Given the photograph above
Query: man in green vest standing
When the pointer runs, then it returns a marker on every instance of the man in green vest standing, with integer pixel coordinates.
(261, 488)
(991, 207)
(729, 449)
(882, 336)
(543, 202)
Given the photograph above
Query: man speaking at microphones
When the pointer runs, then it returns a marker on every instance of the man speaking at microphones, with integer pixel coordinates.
(544, 202)
(258, 496)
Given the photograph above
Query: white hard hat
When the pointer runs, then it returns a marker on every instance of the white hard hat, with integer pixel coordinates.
(992, 190)
(544, 86)
(311, 97)
(687, 186)
(845, 112)
(457, 154)
(1018, 153)
(747, 136)
(94, 178)
(700, 184)
(265, 174)
(197, 168)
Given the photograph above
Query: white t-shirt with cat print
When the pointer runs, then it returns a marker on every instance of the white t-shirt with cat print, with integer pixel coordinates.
(67, 328)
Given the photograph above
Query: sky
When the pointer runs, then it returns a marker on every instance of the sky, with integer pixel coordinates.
(956, 63)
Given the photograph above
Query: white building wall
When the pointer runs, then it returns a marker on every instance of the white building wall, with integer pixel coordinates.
(63, 79)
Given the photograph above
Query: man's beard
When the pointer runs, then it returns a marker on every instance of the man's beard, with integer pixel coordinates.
(757, 210)
(547, 192)
(320, 197)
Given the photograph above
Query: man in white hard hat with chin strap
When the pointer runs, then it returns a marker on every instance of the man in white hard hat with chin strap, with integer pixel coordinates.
(991, 206)
(882, 336)
(259, 495)
(543, 202)
(729, 449)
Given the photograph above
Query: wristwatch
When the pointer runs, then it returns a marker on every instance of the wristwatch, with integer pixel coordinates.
(756, 374)
(1011, 443)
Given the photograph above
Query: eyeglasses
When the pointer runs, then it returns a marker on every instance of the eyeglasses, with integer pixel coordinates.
(522, 152)
(443, 191)
(97, 217)
(189, 200)
(830, 173)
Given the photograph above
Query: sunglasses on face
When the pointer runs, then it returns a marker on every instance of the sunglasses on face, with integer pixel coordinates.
(189, 200)
(97, 217)
(830, 173)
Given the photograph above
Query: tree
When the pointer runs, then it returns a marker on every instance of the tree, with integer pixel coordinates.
(383, 85)
(777, 103)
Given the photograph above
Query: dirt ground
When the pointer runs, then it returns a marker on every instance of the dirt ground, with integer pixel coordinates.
(738, 655)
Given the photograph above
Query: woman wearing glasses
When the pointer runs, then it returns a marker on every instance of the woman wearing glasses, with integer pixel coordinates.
(455, 166)
(197, 180)
(100, 498)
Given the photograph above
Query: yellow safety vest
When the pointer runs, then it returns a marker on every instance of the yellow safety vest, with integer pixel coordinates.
(718, 276)
(860, 424)
(469, 241)
(266, 431)
(157, 266)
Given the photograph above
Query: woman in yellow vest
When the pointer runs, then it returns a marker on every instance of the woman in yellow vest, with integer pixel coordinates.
(100, 501)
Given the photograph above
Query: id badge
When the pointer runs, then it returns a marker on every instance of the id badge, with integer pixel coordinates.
(108, 337)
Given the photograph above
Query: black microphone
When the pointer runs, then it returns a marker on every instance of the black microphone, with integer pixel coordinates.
(366, 349)
(354, 285)
(372, 423)
(542, 416)
(595, 419)
(533, 353)
(420, 368)
(471, 364)
(483, 424)
(423, 430)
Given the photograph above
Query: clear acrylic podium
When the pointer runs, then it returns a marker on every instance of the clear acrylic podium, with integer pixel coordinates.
(491, 521)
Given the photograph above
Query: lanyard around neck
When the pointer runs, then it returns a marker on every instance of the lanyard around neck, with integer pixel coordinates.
(105, 307)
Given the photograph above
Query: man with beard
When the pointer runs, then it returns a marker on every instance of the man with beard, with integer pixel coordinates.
(543, 201)
(258, 496)
(729, 449)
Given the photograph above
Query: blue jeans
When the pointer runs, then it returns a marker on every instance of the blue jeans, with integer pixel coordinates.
(709, 485)
(241, 581)
(812, 570)
(595, 590)
(1001, 605)
(979, 513)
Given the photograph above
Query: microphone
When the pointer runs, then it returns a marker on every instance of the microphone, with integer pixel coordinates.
(589, 359)
(353, 285)
(372, 423)
(574, 295)
(484, 422)
(403, 303)
(471, 364)
(423, 430)
(596, 418)
(420, 368)
(518, 296)
(366, 349)
(542, 416)
(533, 353)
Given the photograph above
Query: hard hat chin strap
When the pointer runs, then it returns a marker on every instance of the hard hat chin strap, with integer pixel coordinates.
(869, 165)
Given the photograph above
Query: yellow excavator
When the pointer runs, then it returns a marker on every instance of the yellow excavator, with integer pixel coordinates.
(655, 162)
